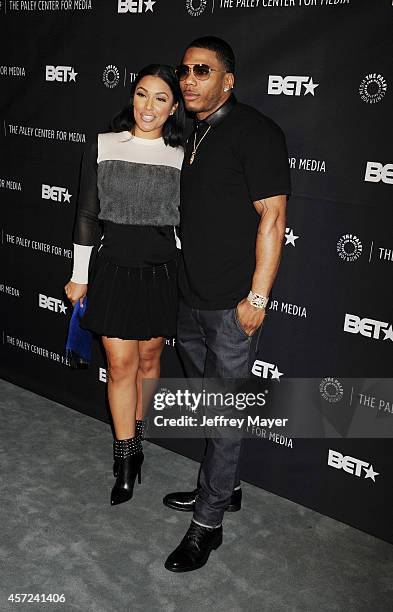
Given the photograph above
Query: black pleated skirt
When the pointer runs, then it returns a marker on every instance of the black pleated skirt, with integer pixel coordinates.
(132, 303)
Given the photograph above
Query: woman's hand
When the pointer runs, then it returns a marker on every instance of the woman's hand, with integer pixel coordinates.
(75, 292)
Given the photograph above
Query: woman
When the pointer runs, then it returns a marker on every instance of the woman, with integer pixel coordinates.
(131, 182)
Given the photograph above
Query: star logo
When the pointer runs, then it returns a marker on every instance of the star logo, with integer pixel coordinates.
(388, 333)
(290, 237)
(149, 5)
(63, 308)
(309, 87)
(72, 74)
(370, 473)
(276, 374)
(67, 196)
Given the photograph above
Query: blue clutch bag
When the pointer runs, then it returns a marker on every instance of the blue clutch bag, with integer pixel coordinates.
(79, 341)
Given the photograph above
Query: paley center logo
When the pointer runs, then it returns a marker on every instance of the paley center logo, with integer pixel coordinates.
(291, 85)
(111, 76)
(262, 369)
(135, 6)
(331, 390)
(373, 88)
(349, 247)
(196, 7)
(371, 328)
(56, 194)
(351, 465)
(62, 74)
(51, 303)
(376, 172)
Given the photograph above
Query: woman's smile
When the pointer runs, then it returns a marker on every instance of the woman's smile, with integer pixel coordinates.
(147, 117)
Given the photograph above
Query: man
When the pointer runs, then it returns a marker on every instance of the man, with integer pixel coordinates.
(234, 187)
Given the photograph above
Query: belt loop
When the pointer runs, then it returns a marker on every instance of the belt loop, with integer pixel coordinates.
(166, 270)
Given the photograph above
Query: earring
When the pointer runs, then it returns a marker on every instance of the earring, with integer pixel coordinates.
(227, 88)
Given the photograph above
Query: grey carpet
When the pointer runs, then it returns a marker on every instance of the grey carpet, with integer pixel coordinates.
(59, 533)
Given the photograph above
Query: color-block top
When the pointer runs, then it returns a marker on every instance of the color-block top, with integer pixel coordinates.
(132, 186)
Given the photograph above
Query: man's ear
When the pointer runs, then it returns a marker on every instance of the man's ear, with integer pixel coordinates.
(229, 81)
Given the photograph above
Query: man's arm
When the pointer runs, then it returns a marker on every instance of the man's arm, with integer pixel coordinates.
(268, 247)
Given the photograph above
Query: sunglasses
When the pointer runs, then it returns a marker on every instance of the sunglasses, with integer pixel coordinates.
(200, 71)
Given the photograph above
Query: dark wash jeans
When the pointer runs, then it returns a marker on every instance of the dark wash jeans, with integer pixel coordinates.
(212, 344)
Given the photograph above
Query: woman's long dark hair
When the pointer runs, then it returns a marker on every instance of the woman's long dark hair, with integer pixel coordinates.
(173, 128)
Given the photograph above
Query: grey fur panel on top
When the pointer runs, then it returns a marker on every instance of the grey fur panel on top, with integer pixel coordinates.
(138, 194)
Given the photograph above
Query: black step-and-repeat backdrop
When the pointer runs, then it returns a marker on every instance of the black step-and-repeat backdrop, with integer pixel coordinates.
(322, 70)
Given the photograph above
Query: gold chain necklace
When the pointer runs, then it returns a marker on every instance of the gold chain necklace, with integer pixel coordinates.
(197, 145)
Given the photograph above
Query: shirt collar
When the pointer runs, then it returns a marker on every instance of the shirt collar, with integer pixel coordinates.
(218, 115)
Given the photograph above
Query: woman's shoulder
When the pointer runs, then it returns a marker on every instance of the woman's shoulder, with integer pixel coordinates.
(175, 154)
(112, 137)
(109, 144)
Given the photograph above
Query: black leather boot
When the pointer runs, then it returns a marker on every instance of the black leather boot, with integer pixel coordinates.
(129, 456)
(139, 431)
(185, 502)
(195, 548)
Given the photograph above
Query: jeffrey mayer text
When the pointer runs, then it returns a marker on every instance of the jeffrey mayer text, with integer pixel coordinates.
(217, 421)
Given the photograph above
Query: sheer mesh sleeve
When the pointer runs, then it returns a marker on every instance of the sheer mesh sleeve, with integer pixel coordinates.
(87, 227)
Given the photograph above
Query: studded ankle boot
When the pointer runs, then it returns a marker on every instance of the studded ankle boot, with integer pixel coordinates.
(129, 456)
(139, 432)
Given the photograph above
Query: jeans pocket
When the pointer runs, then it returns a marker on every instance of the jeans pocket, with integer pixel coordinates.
(239, 326)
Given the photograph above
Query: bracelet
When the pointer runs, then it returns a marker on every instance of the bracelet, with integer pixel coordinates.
(257, 300)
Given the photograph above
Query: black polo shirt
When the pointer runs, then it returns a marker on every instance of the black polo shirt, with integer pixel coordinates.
(242, 158)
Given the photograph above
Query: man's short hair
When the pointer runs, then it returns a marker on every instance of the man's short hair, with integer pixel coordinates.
(222, 49)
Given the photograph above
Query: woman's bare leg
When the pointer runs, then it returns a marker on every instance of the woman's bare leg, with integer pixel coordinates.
(149, 367)
(123, 362)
